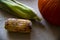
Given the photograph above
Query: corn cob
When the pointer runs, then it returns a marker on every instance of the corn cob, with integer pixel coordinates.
(18, 25)
(20, 9)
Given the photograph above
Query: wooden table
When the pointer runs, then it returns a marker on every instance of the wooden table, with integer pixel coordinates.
(40, 31)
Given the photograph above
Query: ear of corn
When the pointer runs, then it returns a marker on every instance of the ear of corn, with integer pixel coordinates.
(18, 9)
(18, 25)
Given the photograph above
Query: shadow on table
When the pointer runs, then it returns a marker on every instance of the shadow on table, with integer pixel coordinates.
(55, 30)
(18, 36)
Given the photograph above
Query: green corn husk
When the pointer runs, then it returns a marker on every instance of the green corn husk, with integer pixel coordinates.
(19, 9)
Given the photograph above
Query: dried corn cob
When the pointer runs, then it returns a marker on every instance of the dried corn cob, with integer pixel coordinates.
(18, 25)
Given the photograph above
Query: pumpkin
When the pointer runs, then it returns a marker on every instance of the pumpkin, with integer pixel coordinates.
(50, 10)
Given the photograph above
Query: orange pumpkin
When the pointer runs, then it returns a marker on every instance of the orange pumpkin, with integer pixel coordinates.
(50, 10)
